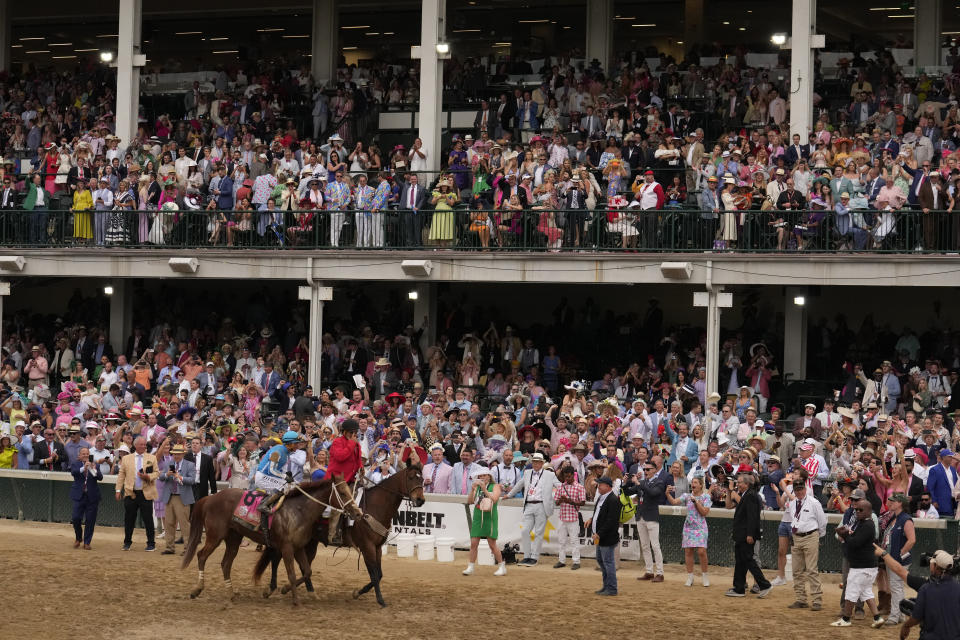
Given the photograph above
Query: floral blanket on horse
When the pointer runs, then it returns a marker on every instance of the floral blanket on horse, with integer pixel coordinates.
(247, 513)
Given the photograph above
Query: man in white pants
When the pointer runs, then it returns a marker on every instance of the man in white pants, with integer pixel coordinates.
(537, 486)
(650, 490)
(570, 495)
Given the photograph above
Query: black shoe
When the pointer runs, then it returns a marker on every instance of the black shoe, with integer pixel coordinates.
(559, 565)
(125, 547)
(600, 592)
(528, 562)
(576, 565)
(151, 547)
(178, 541)
(607, 593)
(167, 552)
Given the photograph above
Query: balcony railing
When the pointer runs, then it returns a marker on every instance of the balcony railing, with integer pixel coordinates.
(667, 230)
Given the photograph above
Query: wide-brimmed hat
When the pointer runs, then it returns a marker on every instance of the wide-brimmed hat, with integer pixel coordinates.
(177, 448)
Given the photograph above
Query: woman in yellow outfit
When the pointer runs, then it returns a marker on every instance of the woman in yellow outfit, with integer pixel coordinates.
(82, 218)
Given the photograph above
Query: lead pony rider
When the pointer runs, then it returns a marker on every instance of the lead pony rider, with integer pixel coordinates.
(344, 465)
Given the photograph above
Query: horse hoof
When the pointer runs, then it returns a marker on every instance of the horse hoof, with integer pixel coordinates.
(383, 605)
(285, 589)
(194, 594)
(234, 597)
(356, 594)
(296, 603)
(267, 593)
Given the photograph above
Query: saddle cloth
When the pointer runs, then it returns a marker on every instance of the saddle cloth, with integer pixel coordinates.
(247, 513)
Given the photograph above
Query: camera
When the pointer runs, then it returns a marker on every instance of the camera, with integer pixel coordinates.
(173, 467)
(926, 557)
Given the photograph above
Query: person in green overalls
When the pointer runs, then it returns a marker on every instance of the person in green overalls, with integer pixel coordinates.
(485, 495)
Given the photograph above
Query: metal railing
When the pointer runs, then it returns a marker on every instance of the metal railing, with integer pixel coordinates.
(674, 230)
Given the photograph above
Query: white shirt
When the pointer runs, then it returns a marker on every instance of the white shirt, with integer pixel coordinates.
(811, 515)
(600, 500)
(533, 492)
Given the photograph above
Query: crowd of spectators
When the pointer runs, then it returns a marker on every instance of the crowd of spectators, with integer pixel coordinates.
(589, 158)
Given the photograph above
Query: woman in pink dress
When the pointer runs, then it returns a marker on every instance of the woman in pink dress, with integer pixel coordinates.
(143, 228)
(50, 163)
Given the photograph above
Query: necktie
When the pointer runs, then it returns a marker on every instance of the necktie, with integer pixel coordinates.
(466, 477)
(433, 478)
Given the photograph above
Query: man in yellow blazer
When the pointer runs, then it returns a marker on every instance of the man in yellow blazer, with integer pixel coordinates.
(137, 487)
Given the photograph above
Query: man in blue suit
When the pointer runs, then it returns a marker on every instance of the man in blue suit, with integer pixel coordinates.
(176, 491)
(270, 379)
(85, 494)
(224, 190)
(684, 448)
(941, 478)
(527, 117)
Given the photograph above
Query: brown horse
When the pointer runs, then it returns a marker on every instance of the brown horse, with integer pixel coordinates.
(291, 530)
(381, 501)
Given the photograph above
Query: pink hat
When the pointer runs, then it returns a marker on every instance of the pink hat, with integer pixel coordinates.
(63, 395)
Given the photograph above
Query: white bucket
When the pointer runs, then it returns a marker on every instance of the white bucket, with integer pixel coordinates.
(405, 545)
(484, 555)
(424, 547)
(385, 551)
(444, 549)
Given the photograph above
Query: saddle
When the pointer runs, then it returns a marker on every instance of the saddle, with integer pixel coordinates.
(247, 512)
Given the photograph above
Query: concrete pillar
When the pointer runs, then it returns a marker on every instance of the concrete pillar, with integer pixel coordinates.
(5, 35)
(600, 32)
(121, 314)
(795, 334)
(326, 42)
(425, 313)
(314, 374)
(128, 63)
(926, 32)
(801, 67)
(712, 360)
(433, 25)
(693, 18)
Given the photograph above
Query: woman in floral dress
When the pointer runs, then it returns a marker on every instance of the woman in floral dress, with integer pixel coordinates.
(695, 531)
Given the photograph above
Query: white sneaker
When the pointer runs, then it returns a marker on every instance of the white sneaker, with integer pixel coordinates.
(706, 580)
(840, 622)
(778, 582)
(502, 571)
(469, 570)
(689, 582)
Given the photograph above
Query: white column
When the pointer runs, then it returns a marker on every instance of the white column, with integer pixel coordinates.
(600, 32)
(128, 63)
(795, 335)
(316, 336)
(5, 35)
(433, 24)
(121, 314)
(425, 313)
(4, 292)
(326, 43)
(801, 67)
(926, 32)
(713, 340)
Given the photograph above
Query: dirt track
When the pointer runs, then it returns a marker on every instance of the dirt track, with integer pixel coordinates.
(107, 593)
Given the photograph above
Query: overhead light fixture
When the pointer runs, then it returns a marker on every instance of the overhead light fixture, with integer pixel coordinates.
(16, 46)
(357, 26)
(226, 51)
(62, 57)
(568, 27)
(59, 44)
(349, 48)
(742, 29)
(270, 30)
(413, 295)
(108, 290)
(108, 35)
(372, 33)
(183, 265)
(643, 25)
(726, 22)
(799, 301)
(388, 33)
(187, 33)
(106, 56)
(39, 51)
(466, 31)
(443, 47)
(779, 39)
(679, 41)
(220, 38)
(903, 15)
(297, 36)
(625, 18)
(12, 263)
(885, 9)
(84, 50)
(533, 21)
(37, 38)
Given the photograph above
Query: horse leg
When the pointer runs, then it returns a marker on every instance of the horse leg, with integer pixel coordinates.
(288, 554)
(274, 564)
(311, 552)
(232, 546)
(377, 574)
(371, 558)
(305, 571)
(213, 541)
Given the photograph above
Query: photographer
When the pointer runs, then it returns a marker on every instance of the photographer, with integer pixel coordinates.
(936, 609)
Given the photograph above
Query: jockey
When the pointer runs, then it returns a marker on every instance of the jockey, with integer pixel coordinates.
(273, 469)
(344, 466)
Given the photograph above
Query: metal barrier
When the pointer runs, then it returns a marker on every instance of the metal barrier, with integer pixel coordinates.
(44, 497)
(673, 230)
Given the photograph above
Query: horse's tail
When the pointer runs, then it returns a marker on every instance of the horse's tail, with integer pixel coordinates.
(196, 530)
(262, 563)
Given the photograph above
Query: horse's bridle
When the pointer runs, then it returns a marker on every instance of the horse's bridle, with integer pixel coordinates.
(366, 484)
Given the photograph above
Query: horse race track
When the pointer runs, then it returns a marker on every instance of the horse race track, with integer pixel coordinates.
(54, 591)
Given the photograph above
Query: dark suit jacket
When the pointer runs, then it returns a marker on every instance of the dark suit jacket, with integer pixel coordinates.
(359, 362)
(581, 199)
(452, 453)
(420, 198)
(608, 521)
(80, 477)
(925, 197)
(41, 452)
(509, 109)
(491, 120)
(206, 478)
(90, 351)
(746, 517)
(798, 426)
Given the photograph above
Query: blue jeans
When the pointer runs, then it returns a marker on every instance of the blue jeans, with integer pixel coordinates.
(608, 567)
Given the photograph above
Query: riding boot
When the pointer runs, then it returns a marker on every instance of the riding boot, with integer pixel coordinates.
(333, 529)
(264, 510)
